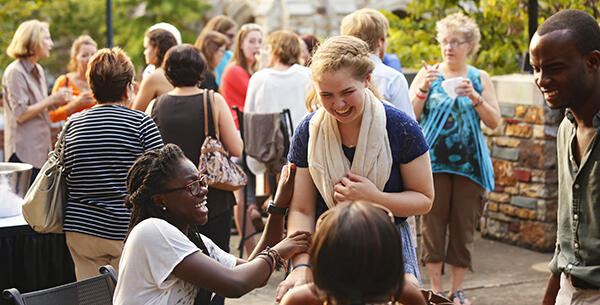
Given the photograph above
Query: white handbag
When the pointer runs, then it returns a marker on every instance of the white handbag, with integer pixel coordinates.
(43, 205)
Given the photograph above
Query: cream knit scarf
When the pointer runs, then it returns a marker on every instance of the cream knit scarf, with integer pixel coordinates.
(372, 159)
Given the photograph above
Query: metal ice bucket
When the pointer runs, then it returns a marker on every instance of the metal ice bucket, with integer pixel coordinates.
(14, 182)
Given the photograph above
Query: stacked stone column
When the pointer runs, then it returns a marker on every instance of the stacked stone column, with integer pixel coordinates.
(522, 208)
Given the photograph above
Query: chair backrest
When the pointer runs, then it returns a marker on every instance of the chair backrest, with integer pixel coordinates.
(97, 290)
(286, 127)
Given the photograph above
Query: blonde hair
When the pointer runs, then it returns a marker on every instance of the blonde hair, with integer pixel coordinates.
(286, 46)
(27, 39)
(367, 24)
(238, 55)
(336, 53)
(459, 23)
(80, 41)
(109, 72)
(209, 42)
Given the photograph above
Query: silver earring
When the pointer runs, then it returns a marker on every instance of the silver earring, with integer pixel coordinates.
(164, 208)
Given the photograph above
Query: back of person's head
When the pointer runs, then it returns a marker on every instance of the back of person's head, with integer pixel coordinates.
(184, 66)
(459, 23)
(146, 178)
(356, 254)
(220, 23)
(238, 54)
(367, 24)
(285, 45)
(209, 42)
(109, 72)
(584, 29)
(169, 27)
(311, 42)
(27, 39)
(77, 44)
(162, 40)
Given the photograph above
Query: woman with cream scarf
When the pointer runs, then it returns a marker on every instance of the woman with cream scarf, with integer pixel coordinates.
(354, 147)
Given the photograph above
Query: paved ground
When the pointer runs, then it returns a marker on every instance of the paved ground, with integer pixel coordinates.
(503, 274)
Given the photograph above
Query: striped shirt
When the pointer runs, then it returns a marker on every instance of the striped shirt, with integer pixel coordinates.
(101, 144)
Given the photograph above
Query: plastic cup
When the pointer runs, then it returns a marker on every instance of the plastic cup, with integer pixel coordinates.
(450, 85)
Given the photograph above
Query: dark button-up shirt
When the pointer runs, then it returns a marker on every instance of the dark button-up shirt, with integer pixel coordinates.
(577, 250)
(23, 85)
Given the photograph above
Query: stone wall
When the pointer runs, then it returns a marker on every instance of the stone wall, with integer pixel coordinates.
(522, 208)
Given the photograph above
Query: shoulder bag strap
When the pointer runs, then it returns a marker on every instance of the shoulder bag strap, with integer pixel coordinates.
(59, 147)
(205, 114)
(214, 113)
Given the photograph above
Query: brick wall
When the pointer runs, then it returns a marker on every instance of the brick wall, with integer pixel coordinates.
(522, 208)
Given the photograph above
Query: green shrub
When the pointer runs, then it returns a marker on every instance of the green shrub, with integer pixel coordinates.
(70, 18)
(503, 26)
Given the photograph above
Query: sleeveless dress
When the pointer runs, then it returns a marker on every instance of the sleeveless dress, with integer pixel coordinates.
(452, 129)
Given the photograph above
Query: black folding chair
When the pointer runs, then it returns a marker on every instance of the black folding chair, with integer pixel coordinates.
(97, 290)
(287, 128)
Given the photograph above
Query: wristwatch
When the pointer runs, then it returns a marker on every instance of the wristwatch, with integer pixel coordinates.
(273, 209)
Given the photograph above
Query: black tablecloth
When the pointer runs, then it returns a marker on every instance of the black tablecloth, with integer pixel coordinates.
(32, 261)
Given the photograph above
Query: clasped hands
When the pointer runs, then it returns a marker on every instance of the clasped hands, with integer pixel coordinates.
(353, 187)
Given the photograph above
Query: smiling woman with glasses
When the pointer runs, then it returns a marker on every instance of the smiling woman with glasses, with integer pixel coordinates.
(193, 187)
(165, 260)
(180, 111)
(450, 99)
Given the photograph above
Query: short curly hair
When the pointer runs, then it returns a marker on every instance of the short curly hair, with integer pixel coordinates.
(460, 23)
(582, 26)
(109, 72)
(184, 66)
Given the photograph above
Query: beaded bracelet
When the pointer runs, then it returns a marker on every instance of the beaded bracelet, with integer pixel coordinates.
(423, 90)
(276, 257)
(421, 97)
(267, 259)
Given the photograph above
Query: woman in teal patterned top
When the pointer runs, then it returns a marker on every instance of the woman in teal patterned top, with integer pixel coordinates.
(461, 164)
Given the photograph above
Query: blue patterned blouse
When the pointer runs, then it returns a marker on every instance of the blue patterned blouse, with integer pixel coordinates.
(451, 127)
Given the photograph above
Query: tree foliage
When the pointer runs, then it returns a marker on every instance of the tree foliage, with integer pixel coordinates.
(503, 25)
(70, 18)
(12, 12)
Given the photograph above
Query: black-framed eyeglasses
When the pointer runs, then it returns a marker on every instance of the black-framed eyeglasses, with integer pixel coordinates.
(192, 187)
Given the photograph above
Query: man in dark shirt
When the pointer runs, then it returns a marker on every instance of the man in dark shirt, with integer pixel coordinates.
(565, 56)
